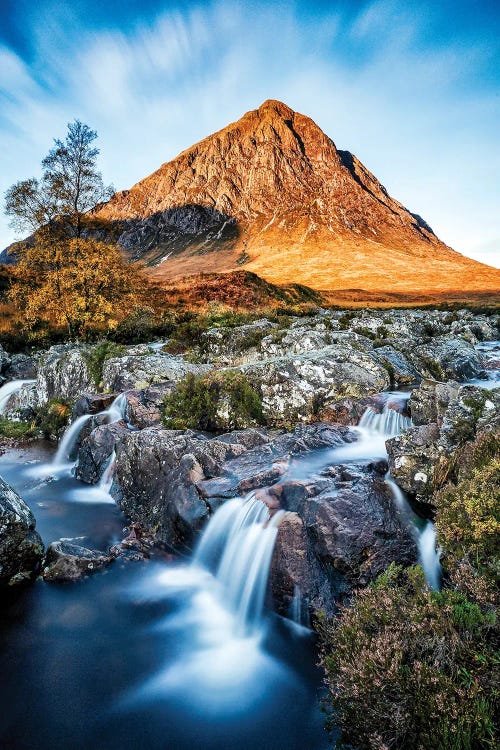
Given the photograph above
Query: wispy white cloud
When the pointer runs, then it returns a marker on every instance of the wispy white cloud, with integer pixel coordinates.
(406, 105)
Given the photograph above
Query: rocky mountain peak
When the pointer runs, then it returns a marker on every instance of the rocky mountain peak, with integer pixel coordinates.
(272, 193)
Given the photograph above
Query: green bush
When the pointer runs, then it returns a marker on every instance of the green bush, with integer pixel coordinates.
(214, 402)
(410, 668)
(52, 418)
(142, 325)
(17, 430)
(97, 356)
(468, 518)
(433, 368)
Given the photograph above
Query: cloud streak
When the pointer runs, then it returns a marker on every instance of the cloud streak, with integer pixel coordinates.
(419, 112)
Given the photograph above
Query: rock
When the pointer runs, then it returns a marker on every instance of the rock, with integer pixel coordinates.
(158, 471)
(5, 361)
(447, 358)
(139, 372)
(428, 402)
(63, 373)
(145, 407)
(136, 546)
(96, 449)
(343, 530)
(294, 567)
(472, 409)
(92, 403)
(21, 367)
(264, 465)
(401, 370)
(22, 403)
(413, 458)
(65, 562)
(231, 345)
(295, 388)
(357, 530)
(21, 548)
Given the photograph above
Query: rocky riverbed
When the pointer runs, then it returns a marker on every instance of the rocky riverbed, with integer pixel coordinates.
(361, 414)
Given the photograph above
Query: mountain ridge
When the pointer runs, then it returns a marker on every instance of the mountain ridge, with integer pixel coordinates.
(271, 194)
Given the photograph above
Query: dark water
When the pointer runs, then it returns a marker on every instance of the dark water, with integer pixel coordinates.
(141, 656)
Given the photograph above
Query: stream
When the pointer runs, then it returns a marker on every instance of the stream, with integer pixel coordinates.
(144, 654)
(161, 654)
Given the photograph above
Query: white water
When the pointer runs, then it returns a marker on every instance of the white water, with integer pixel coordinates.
(425, 536)
(8, 389)
(237, 547)
(64, 458)
(223, 596)
(299, 611)
(101, 492)
(387, 423)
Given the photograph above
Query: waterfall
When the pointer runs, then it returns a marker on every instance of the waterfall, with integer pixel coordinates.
(425, 536)
(237, 547)
(298, 611)
(100, 492)
(388, 422)
(117, 410)
(429, 555)
(67, 444)
(8, 389)
(65, 450)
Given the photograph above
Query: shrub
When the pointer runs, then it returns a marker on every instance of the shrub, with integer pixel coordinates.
(410, 668)
(214, 402)
(364, 331)
(53, 417)
(468, 513)
(142, 325)
(17, 430)
(97, 356)
(433, 368)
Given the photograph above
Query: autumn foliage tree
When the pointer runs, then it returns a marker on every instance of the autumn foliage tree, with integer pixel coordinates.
(64, 275)
(82, 284)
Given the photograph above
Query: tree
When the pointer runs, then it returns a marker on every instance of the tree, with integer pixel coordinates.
(80, 283)
(64, 275)
(70, 186)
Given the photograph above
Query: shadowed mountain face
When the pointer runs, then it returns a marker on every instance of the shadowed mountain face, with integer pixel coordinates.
(272, 194)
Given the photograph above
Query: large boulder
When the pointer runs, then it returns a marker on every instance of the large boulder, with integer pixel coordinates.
(157, 471)
(144, 407)
(420, 459)
(138, 372)
(413, 460)
(232, 345)
(21, 367)
(63, 373)
(445, 358)
(96, 449)
(296, 388)
(22, 403)
(21, 548)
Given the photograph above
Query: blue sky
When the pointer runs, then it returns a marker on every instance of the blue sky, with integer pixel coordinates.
(413, 89)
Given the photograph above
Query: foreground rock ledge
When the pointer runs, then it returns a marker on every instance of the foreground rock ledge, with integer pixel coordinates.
(21, 548)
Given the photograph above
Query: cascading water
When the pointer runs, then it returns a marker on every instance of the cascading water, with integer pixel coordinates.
(66, 447)
(100, 492)
(236, 548)
(8, 389)
(64, 457)
(425, 536)
(387, 423)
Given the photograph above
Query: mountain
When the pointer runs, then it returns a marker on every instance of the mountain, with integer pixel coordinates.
(272, 194)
